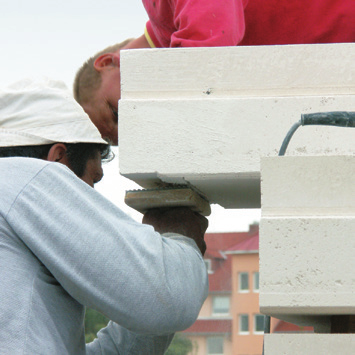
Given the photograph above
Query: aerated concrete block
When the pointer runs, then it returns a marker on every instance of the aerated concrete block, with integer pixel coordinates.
(309, 344)
(205, 116)
(307, 238)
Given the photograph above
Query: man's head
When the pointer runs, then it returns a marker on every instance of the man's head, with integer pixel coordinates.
(40, 119)
(84, 159)
(97, 89)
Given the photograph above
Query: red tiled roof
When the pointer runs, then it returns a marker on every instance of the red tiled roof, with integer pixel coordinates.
(283, 327)
(250, 244)
(217, 244)
(221, 279)
(216, 254)
(211, 326)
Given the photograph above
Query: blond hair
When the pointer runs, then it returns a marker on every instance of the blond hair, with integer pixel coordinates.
(87, 79)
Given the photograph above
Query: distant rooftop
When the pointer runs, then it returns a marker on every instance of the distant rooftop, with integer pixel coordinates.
(219, 245)
(211, 326)
(250, 245)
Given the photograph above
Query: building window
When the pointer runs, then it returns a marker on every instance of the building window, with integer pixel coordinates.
(256, 281)
(244, 324)
(208, 265)
(220, 305)
(215, 345)
(243, 282)
(259, 323)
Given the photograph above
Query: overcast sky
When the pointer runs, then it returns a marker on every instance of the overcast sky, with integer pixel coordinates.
(53, 38)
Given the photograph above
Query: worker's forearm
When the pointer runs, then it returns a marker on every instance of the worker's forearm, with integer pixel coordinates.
(107, 261)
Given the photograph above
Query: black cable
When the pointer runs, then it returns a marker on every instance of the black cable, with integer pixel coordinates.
(288, 137)
(335, 118)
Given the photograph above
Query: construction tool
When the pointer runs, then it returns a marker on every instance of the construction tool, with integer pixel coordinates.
(174, 196)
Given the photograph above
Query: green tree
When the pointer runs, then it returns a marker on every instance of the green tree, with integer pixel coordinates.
(94, 321)
(180, 345)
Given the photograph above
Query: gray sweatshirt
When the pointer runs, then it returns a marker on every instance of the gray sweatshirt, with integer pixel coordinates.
(63, 247)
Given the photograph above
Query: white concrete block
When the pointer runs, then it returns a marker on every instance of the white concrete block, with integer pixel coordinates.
(309, 344)
(307, 265)
(320, 69)
(307, 238)
(194, 116)
(308, 186)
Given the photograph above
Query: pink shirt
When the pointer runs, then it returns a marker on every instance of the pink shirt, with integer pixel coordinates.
(209, 23)
(194, 23)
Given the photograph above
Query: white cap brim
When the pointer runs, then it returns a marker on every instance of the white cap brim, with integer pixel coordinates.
(37, 112)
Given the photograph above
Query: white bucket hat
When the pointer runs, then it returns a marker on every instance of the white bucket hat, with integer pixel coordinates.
(37, 112)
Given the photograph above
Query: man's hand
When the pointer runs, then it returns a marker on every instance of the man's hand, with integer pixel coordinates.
(181, 220)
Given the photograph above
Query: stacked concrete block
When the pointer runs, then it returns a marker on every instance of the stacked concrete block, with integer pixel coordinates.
(205, 116)
(307, 246)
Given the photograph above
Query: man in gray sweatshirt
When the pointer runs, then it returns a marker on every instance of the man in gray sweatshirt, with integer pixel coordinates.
(64, 247)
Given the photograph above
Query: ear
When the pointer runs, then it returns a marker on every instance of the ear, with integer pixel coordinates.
(57, 153)
(106, 60)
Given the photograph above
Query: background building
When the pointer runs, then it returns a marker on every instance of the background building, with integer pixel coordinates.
(230, 322)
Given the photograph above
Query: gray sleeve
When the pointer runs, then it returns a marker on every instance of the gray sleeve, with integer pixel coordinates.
(147, 283)
(114, 339)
